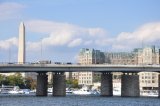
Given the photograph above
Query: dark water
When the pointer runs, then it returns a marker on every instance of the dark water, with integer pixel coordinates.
(72, 100)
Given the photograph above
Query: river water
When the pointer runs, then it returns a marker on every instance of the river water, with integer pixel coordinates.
(76, 100)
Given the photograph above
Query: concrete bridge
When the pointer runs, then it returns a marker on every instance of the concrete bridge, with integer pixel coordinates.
(130, 78)
(77, 68)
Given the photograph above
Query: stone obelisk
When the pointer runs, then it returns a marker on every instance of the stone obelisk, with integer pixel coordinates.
(21, 45)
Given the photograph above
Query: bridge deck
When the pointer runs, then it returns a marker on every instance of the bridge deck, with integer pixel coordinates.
(77, 68)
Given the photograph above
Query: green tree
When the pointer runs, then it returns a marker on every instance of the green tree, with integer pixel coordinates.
(68, 81)
(15, 80)
(72, 83)
(97, 78)
(30, 83)
(2, 77)
(75, 83)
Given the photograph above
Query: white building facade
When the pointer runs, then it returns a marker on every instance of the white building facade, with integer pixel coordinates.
(148, 55)
(89, 56)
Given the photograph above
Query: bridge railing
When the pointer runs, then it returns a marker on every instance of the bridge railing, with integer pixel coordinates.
(75, 64)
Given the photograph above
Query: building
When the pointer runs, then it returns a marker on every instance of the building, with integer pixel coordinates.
(148, 81)
(75, 75)
(120, 58)
(149, 55)
(89, 56)
(68, 75)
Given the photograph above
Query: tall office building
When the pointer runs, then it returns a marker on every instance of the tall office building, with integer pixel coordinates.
(21, 45)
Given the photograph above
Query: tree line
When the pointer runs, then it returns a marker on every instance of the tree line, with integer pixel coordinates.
(17, 80)
(29, 83)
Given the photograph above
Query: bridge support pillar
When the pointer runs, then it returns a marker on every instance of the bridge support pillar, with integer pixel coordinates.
(42, 84)
(59, 84)
(130, 85)
(106, 84)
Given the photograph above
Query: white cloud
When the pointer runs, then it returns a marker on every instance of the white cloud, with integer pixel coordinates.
(64, 34)
(6, 44)
(75, 42)
(96, 31)
(10, 10)
(147, 34)
(34, 46)
(68, 35)
(89, 42)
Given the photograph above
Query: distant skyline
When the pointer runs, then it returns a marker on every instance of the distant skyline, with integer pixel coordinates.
(57, 29)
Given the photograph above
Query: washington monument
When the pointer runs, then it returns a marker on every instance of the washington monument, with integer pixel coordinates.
(21, 48)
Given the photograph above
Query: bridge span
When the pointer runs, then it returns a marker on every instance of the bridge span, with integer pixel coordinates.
(77, 68)
(129, 78)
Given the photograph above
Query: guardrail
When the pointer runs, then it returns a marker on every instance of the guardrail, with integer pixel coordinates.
(82, 65)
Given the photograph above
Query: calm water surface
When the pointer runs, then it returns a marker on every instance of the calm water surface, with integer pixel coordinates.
(72, 100)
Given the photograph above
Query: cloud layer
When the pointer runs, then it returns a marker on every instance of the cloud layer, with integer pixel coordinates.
(148, 34)
(10, 10)
(6, 44)
(64, 34)
(71, 36)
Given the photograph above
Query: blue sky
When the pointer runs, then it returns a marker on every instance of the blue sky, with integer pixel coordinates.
(61, 27)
